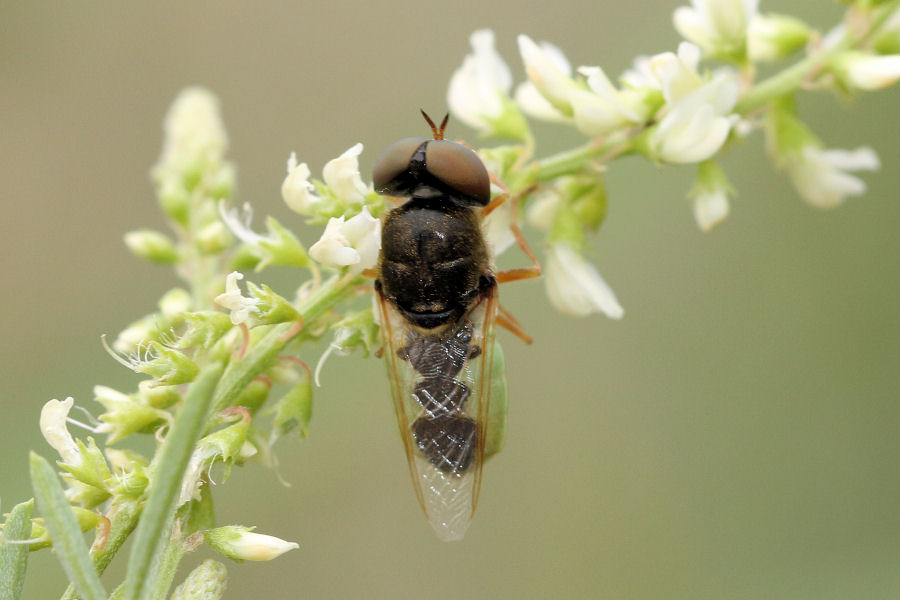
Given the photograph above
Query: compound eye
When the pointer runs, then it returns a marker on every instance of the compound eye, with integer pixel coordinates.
(460, 169)
(394, 162)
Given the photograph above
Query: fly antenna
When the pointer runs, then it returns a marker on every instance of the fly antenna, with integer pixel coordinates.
(438, 132)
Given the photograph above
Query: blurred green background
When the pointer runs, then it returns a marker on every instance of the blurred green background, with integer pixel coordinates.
(735, 436)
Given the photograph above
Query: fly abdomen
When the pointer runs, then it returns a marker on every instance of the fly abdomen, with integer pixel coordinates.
(441, 395)
(448, 442)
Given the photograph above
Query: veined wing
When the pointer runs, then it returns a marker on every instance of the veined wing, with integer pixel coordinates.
(441, 387)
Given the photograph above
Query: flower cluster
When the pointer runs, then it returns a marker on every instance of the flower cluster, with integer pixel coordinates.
(223, 379)
(674, 110)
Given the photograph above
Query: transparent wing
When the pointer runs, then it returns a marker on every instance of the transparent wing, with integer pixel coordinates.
(441, 387)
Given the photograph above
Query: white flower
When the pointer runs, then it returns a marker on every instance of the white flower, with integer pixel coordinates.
(232, 299)
(677, 75)
(341, 174)
(697, 125)
(355, 242)
(603, 109)
(640, 75)
(575, 287)
(296, 190)
(477, 88)
(717, 26)
(53, 426)
(820, 178)
(550, 74)
(868, 71)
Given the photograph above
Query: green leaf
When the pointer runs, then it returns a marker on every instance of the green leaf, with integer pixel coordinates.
(14, 557)
(153, 530)
(71, 549)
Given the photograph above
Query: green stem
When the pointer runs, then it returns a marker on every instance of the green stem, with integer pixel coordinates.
(568, 162)
(792, 78)
(168, 565)
(265, 352)
(123, 519)
(786, 81)
(154, 530)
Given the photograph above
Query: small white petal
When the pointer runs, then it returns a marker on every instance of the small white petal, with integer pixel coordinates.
(861, 159)
(341, 174)
(297, 191)
(240, 307)
(535, 105)
(239, 223)
(696, 126)
(548, 69)
(710, 209)
(477, 87)
(53, 427)
(575, 287)
(543, 209)
(870, 72)
(820, 178)
(497, 230)
(355, 242)
(258, 546)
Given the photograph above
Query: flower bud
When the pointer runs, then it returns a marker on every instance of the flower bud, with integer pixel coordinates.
(710, 194)
(773, 37)
(151, 245)
(293, 410)
(206, 582)
(125, 415)
(864, 71)
(167, 365)
(174, 200)
(586, 195)
(130, 469)
(273, 308)
(213, 238)
(281, 247)
(175, 302)
(204, 328)
(254, 395)
(240, 543)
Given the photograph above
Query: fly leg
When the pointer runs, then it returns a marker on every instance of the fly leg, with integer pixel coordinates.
(524, 272)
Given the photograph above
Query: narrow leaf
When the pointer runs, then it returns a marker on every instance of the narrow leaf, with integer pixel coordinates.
(154, 528)
(68, 541)
(14, 557)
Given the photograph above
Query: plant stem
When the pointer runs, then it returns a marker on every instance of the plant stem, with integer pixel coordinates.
(123, 520)
(154, 529)
(266, 351)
